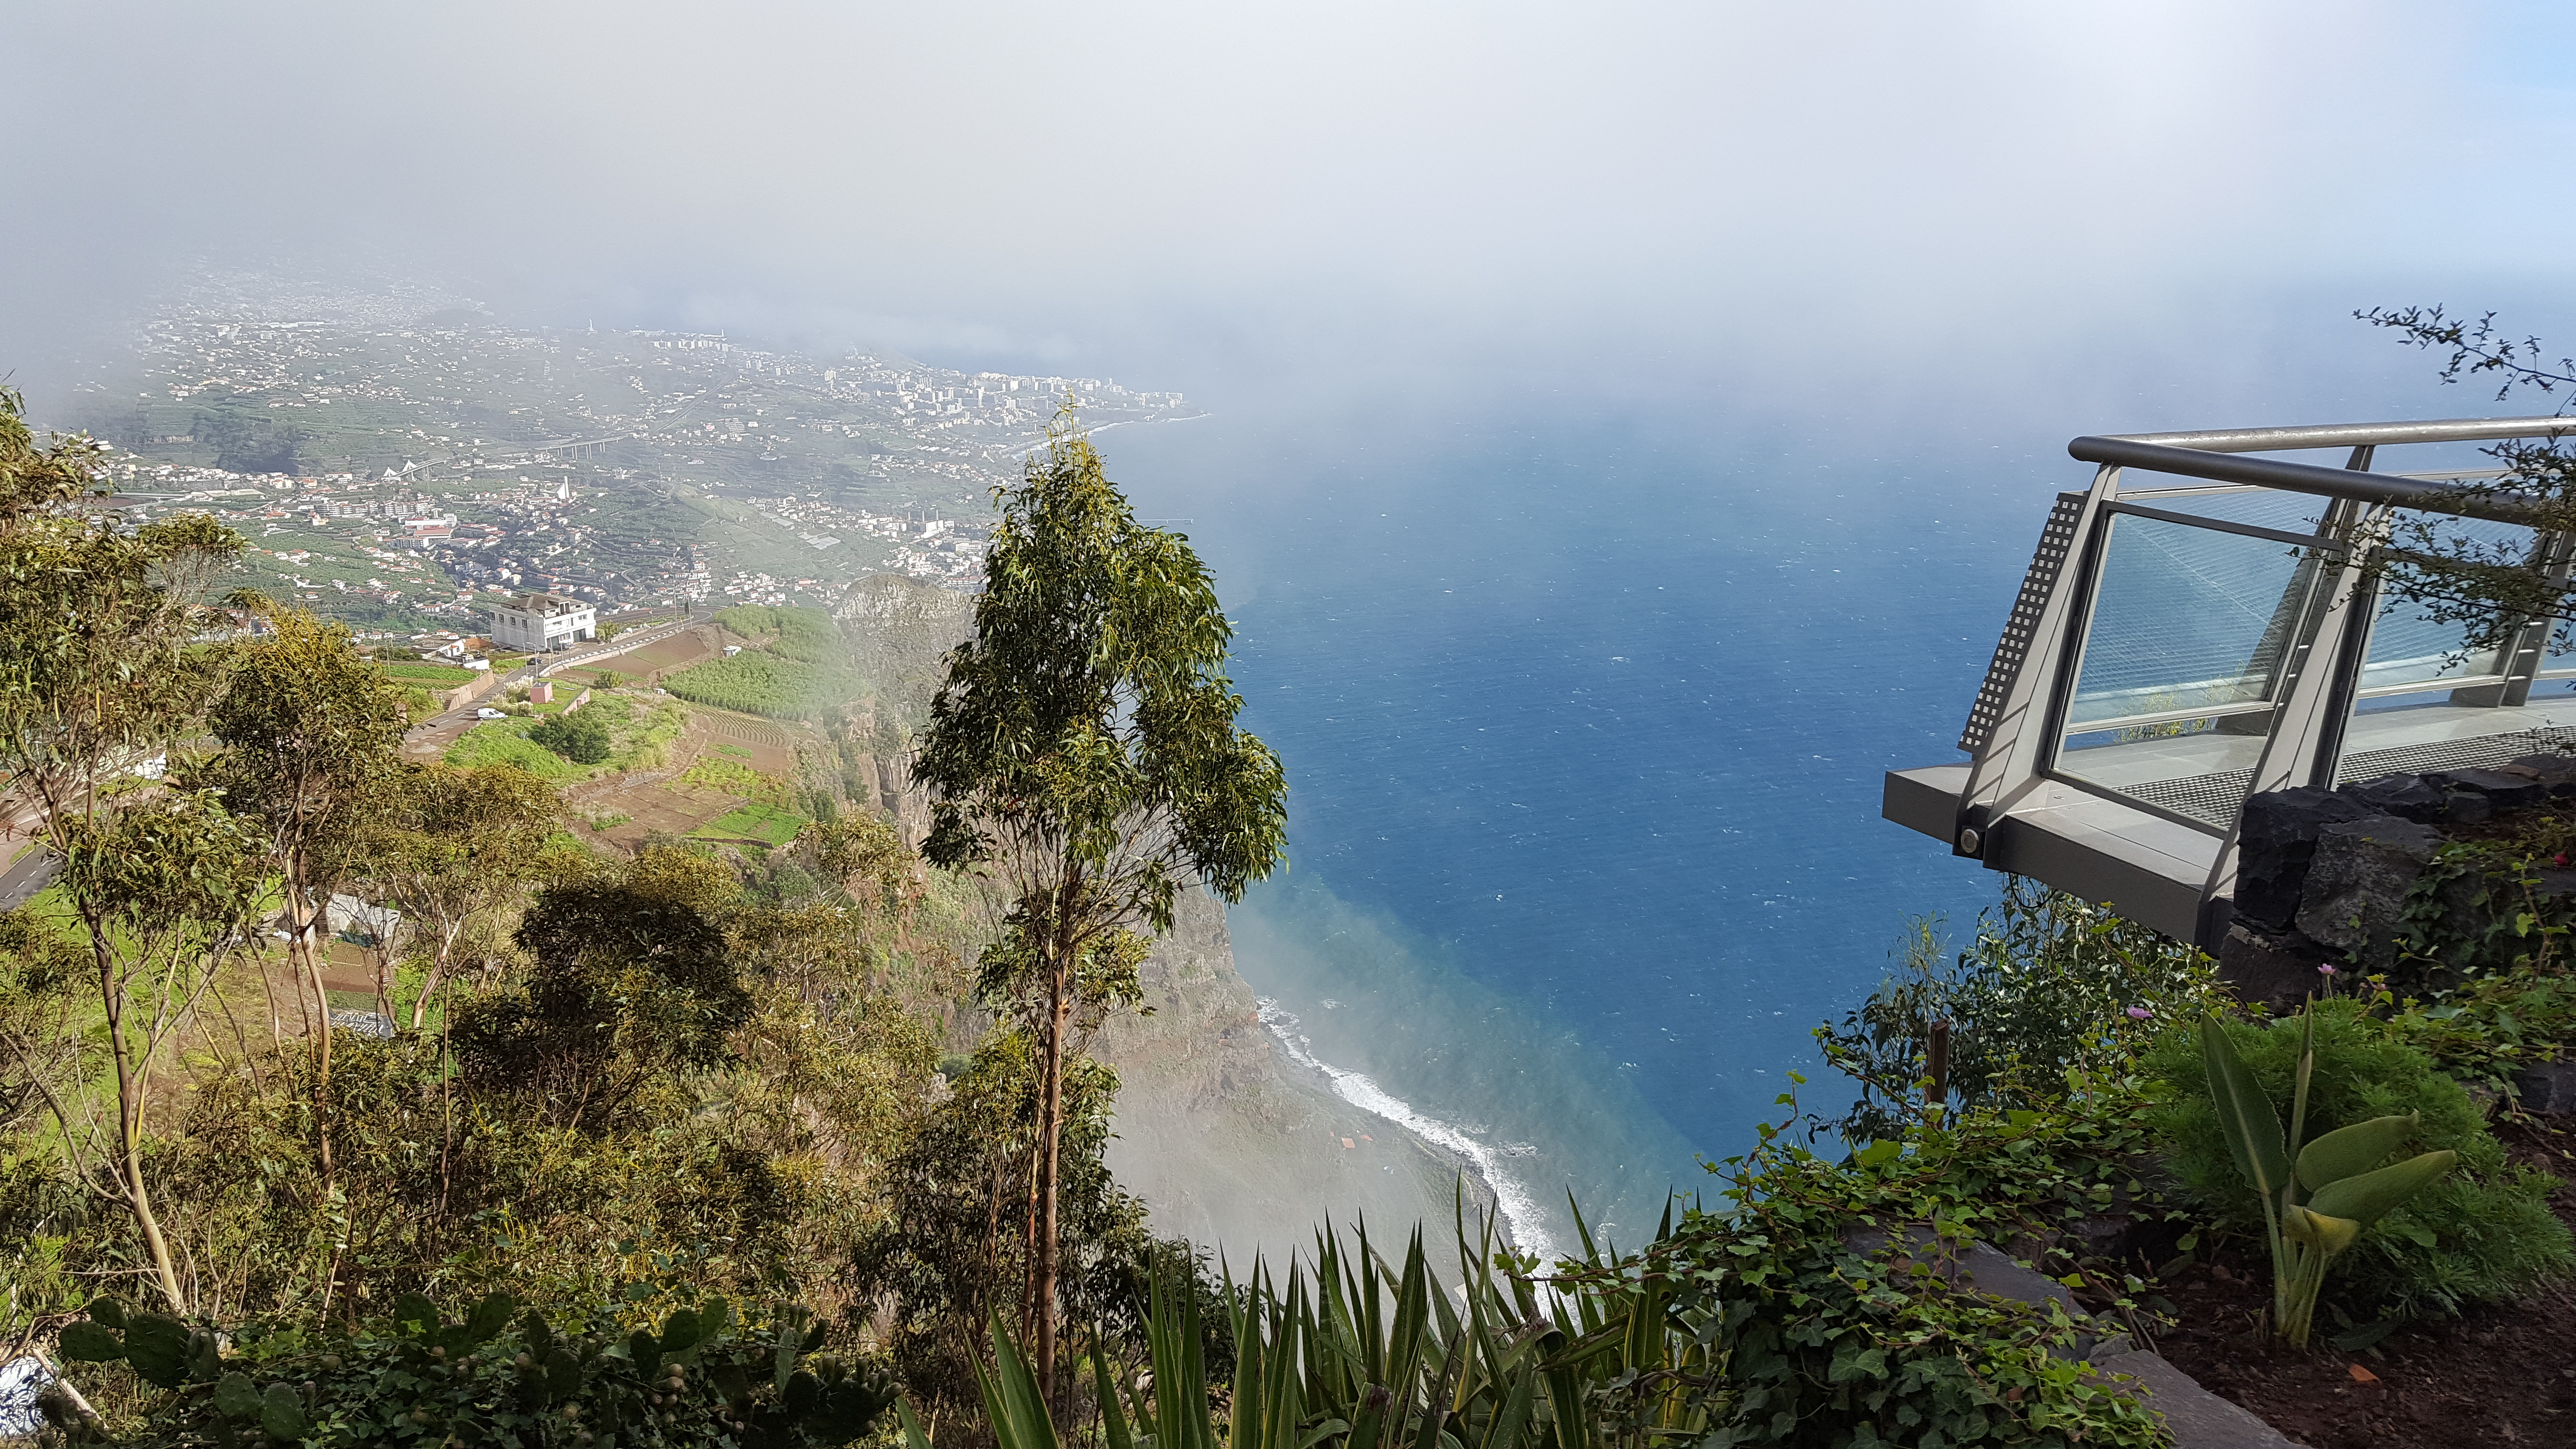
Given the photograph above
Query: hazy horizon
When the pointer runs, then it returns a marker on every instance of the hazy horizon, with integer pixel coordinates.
(1989, 217)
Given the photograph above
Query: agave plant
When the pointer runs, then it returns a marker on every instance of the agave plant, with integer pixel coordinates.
(1358, 1353)
(2317, 1196)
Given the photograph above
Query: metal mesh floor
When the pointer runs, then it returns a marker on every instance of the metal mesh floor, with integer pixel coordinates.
(2217, 797)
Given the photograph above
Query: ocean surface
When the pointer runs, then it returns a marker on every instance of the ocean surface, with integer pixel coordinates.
(1585, 724)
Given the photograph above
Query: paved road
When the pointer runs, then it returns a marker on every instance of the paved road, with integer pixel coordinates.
(435, 734)
(20, 882)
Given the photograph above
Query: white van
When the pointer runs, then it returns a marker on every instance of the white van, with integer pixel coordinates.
(487, 712)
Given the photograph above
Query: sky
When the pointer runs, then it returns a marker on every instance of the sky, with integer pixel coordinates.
(1874, 207)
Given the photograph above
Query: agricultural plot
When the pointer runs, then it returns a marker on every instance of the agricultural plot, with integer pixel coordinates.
(675, 652)
(764, 684)
(674, 808)
(763, 825)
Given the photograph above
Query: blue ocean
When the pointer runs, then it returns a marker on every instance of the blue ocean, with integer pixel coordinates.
(1585, 725)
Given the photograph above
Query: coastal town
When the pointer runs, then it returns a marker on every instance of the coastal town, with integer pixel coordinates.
(396, 475)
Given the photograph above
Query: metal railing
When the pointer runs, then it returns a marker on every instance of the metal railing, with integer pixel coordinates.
(2304, 681)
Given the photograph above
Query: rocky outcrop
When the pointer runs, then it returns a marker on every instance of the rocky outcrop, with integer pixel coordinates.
(2357, 880)
(2324, 877)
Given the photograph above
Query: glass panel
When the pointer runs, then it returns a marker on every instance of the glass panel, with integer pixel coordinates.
(2261, 507)
(2182, 657)
(2408, 648)
(2429, 712)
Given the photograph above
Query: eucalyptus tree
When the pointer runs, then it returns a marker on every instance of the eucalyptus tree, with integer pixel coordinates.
(104, 666)
(1082, 750)
(449, 848)
(101, 664)
(309, 730)
(165, 889)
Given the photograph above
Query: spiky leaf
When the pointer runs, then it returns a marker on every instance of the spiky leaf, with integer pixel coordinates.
(563, 1375)
(680, 1331)
(417, 1310)
(236, 1397)
(107, 1311)
(281, 1413)
(487, 1318)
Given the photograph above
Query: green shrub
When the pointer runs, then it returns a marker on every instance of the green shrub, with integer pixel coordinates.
(2045, 989)
(1829, 1340)
(2488, 1029)
(505, 742)
(499, 1376)
(2483, 1234)
(581, 738)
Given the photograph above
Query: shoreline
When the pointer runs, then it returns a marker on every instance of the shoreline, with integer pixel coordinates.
(1515, 1211)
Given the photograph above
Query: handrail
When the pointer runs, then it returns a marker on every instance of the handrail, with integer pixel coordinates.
(2383, 488)
(2355, 435)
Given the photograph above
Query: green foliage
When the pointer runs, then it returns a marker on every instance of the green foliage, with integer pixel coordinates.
(2482, 1234)
(801, 673)
(580, 737)
(2340, 1171)
(2046, 988)
(500, 1375)
(632, 977)
(506, 742)
(2490, 1028)
(953, 1250)
(1829, 1339)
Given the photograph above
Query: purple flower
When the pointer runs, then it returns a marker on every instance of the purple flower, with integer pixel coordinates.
(2325, 968)
(2140, 1013)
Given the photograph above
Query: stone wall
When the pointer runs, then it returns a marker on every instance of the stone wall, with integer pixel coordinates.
(2323, 875)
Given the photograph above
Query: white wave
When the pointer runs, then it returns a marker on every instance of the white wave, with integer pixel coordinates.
(1520, 1211)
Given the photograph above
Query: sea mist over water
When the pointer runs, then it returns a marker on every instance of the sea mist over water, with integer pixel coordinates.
(1585, 712)
(1538, 1108)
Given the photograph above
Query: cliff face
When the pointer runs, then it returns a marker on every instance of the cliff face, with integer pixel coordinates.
(1229, 1143)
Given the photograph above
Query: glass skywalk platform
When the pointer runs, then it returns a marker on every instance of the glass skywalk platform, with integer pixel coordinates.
(2205, 622)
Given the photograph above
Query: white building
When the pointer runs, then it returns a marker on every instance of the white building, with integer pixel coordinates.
(536, 622)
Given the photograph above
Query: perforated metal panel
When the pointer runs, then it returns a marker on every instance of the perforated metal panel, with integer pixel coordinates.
(2215, 798)
(2477, 750)
(2055, 541)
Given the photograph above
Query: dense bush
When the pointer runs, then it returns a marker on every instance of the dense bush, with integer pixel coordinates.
(2051, 984)
(580, 737)
(1829, 1339)
(500, 1376)
(2485, 1233)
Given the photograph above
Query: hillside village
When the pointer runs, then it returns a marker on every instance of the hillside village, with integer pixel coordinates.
(390, 475)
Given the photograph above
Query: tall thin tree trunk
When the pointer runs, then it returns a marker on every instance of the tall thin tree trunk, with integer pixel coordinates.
(299, 938)
(1050, 1138)
(129, 1126)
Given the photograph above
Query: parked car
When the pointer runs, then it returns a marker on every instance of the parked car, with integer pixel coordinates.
(487, 712)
